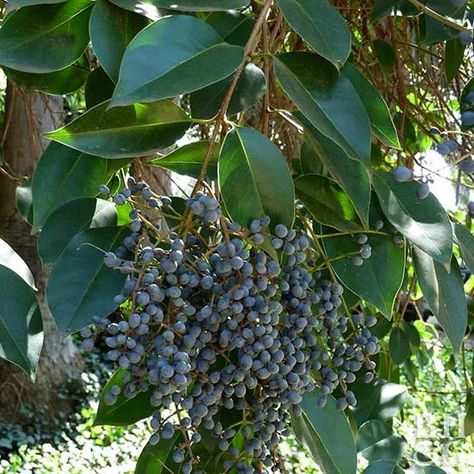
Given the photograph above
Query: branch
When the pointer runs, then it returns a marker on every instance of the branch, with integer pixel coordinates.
(442, 19)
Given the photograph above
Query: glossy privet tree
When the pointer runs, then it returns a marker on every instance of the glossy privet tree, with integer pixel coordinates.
(262, 302)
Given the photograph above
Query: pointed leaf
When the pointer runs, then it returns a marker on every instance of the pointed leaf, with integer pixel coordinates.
(180, 46)
(111, 29)
(64, 174)
(233, 27)
(65, 81)
(137, 130)
(158, 459)
(70, 219)
(311, 162)
(125, 411)
(254, 178)
(24, 201)
(350, 174)
(81, 286)
(321, 26)
(205, 103)
(423, 221)
(399, 346)
(380, 400)
(99, 88)
(377, 110)
(328, 100)
(465, 240)
(327, 435)
(26, 3)
(327, 202)
(443, 291)
(11, 260)
(383, 467)
(188, 160)
(45, 38)
(379, 278)
(21, 327)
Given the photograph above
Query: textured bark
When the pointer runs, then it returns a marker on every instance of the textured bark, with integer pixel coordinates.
(27, 115)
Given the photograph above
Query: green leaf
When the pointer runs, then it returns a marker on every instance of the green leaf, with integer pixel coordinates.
(45, 38)
(150, 8)
(383, 467)
(379, 400)
(465, 240)
(443, 291)
(350, 174)
(81, 286)
(99, 88)
(469, 417)
(327, 435)
(65, 81)
(233, 27)
(379, 278)
(11, 260)
(64, 174)
(328, 100)
(254, 178)
(311, 162)
(188, 160)
(70, 219)
(399, 346)
(125, 411)
(375, 440)
(423, 221)
(111, 29)
(14, 4)
(321, 26)
(385, 55)
(377, 110)
(453, 58)
(158, 459)
(327, 202)
(173, 70)
(24, 201)
(137, 130)
(205, 103)
(21, 327)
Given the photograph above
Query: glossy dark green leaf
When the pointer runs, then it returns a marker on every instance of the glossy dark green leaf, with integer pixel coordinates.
(328, 100)
(205, 103)
(385, 55)
(150, 8)
(180, 46)
(327, 202)
(233, 27)
(321, 26)
(21, 327)
(383, 467)
(64, 174)
(158, 459)
(413, 335)
(465, 240)
(11, 260)
(111, 29)
(311, 162)
(453, 58)
(124, 411)
(327, 435)
(424, 465)
(254, 178)
(81, 286)
(65, 81)
(350, 174)
(24, 201)
(376, 440)
(379, 278)
(443, 291)
(14, 4)
(382, 328)
(137, 130)
(379, 400)
(377, 110)
(45, 38)
(99, 88)
(399, 346)
(70, 219)
(188, 160)
(423, 221)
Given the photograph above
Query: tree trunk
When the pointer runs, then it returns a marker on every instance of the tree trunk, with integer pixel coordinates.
(27, 115)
